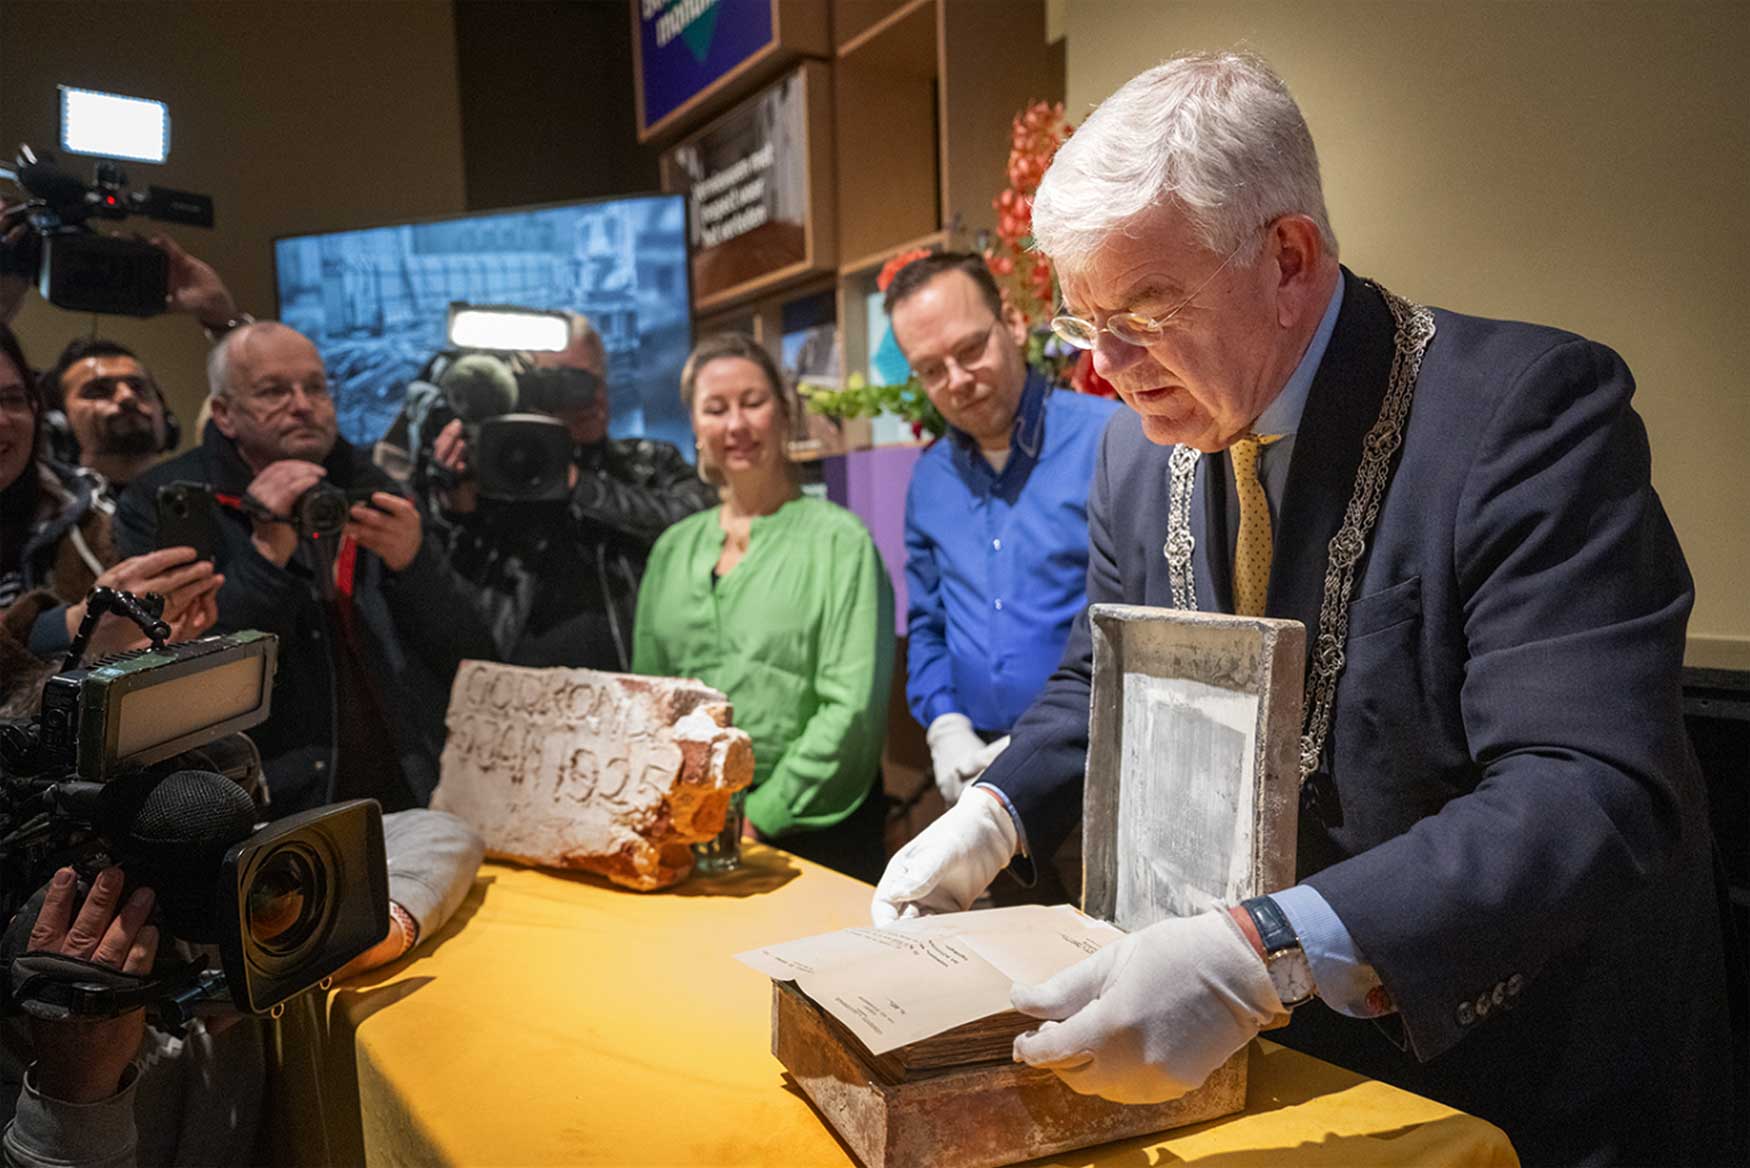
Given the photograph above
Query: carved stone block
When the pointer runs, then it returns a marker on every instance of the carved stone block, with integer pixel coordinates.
(607, 772)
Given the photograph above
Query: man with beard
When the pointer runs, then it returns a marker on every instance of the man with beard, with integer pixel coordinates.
(115, 412)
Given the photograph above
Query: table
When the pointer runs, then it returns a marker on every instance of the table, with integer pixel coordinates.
(561, 1020)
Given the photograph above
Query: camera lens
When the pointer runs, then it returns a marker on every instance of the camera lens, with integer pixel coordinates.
(322, 510)
(284, 901)
(523, 463)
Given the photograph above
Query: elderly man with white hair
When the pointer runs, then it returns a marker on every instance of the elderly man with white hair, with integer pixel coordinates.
(371, 623)
(1504, 857)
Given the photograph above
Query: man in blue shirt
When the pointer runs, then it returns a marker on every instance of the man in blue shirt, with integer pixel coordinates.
(996, 527)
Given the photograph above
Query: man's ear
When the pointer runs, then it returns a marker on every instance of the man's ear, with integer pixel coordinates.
(1300, 254)
(1016, 324)
(221, 412)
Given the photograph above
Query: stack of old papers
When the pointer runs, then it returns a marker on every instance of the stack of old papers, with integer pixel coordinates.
(932, 993)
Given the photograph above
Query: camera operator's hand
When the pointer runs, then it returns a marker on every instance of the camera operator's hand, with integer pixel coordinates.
(189, 587)
(83, 1061)
(451, 452)
(277, 488)
(388, 525)
(195, 288)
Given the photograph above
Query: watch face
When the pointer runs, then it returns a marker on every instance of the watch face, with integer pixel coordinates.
(1292, 977)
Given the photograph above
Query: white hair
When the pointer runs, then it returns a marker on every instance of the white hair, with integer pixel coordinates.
(1217, 136)
(219, 360)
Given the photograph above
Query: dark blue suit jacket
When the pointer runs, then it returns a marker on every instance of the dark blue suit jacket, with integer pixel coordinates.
(1508, 818)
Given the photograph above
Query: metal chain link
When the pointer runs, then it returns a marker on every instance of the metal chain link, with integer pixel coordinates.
(1415, 328)
(1180, 543)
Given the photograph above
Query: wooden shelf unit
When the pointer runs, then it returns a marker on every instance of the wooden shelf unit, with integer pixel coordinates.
(856, 21)
(923, 95)
(982, 63)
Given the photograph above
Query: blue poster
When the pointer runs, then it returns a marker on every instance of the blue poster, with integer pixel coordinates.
(376, 301)
(686, 46)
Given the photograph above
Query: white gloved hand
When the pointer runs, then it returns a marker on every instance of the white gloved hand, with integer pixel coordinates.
(949, 863)
(1147, 1018)
(954, 750)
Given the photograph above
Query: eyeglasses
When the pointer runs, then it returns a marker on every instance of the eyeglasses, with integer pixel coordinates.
(934, 375)
(1132, 328)
(276, 396)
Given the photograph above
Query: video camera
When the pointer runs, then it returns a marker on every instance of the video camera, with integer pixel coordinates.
(139, 760)
(74, 266)
(519, 450)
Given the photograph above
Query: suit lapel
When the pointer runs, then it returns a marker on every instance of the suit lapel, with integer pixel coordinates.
(1341, 407)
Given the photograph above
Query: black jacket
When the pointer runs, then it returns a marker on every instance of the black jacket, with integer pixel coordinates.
(416, 626)
(557, 582)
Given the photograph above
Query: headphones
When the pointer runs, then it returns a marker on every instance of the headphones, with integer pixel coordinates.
(172, 427)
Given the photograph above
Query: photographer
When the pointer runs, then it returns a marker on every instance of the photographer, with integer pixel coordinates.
(55, 546)
(558, 582)
(114, 1092)
(355, 615)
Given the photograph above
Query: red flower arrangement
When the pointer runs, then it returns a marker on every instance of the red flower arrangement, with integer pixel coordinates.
(1028, 283)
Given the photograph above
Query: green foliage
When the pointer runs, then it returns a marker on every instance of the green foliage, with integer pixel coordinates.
(858, 399)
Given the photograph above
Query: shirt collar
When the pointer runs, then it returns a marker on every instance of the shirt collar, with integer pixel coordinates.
(1024, 437)
(1282, 416)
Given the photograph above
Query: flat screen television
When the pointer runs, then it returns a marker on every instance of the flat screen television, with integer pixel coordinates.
(375, 300)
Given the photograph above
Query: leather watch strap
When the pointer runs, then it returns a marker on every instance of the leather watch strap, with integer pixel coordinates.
(1273, 927)
(1284, 958)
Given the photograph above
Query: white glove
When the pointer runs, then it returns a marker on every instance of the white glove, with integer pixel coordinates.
(949, 862)
(955, 748)
(1147, 1018)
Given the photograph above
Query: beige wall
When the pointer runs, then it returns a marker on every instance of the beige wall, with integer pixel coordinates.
(1576, 164)
(294, 116)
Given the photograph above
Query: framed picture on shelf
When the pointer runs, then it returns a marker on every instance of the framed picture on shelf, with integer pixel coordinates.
(760, 211)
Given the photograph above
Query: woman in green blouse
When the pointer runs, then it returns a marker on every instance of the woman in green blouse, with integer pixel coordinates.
(780, 601)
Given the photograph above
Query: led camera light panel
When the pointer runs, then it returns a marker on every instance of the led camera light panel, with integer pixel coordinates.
(109, 125)
(376, 301)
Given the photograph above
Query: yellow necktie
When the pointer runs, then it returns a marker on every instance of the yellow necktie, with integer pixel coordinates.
(1252, 548)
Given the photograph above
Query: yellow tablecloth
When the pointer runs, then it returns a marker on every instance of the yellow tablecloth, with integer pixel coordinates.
(560, 1020)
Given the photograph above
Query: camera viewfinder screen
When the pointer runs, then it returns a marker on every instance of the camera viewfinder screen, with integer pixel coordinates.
(376, 301)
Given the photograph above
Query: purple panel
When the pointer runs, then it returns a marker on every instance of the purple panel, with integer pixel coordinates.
(872, 484)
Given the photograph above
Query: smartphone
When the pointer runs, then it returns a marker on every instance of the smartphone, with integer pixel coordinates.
(188, 517)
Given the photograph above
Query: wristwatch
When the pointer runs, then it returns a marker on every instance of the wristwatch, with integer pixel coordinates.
(1285, 960)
